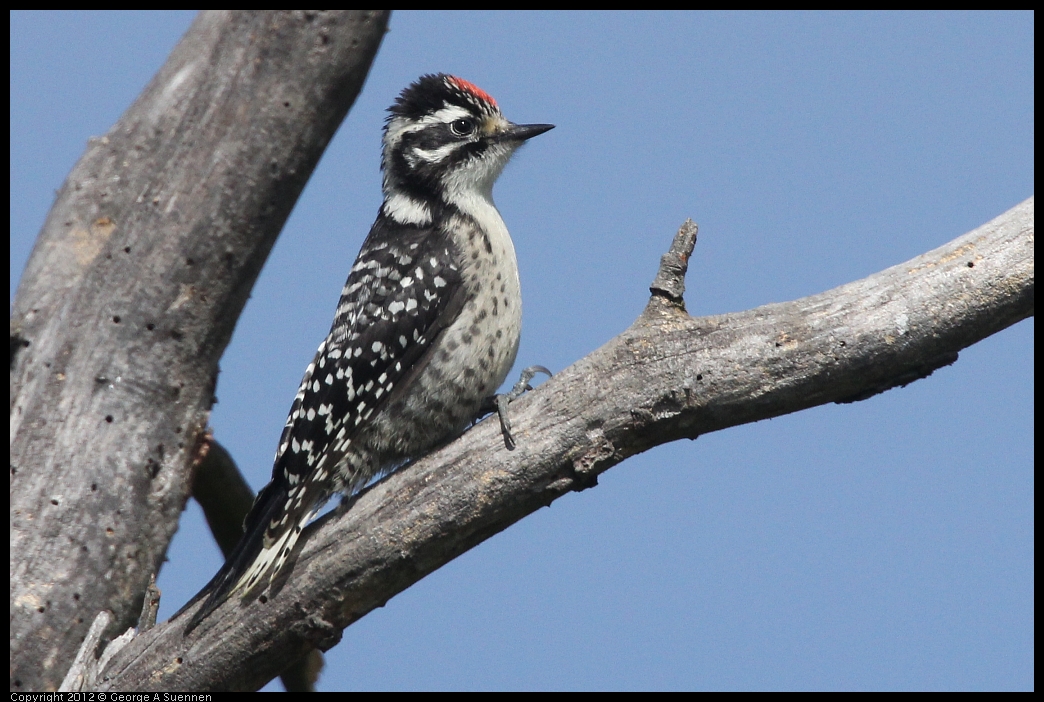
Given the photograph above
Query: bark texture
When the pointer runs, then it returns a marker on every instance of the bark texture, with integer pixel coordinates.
(130, 296)
(669, 376)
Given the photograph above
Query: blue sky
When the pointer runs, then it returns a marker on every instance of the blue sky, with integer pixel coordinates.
(886, 544)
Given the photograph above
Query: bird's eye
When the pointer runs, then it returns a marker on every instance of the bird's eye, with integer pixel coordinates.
(463, 126)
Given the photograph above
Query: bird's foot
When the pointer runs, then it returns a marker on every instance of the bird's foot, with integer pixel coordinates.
(499, 403)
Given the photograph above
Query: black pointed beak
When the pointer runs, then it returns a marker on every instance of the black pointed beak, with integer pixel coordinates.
(521, 132)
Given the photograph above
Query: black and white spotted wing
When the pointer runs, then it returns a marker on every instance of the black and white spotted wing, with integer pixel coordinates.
(403, 290)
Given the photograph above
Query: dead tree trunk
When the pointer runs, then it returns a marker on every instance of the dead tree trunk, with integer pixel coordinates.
(131, 294)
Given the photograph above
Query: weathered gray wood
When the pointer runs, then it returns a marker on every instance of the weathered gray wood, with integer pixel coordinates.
(669, 376)
(130, 296)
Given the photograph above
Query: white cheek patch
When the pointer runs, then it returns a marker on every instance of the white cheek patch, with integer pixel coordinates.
(432, 155)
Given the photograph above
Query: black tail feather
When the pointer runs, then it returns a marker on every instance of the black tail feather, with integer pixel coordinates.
(269, 501)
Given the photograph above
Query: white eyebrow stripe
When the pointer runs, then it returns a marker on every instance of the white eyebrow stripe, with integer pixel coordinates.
(446, 115)
(400, 125)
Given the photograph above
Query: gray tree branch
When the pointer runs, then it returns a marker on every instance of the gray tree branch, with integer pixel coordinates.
(129, 299)
(669, 376)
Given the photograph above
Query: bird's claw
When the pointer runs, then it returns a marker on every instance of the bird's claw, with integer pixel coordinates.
(501, 402)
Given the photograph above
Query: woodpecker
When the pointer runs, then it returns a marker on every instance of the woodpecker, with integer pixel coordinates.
(425, 332)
